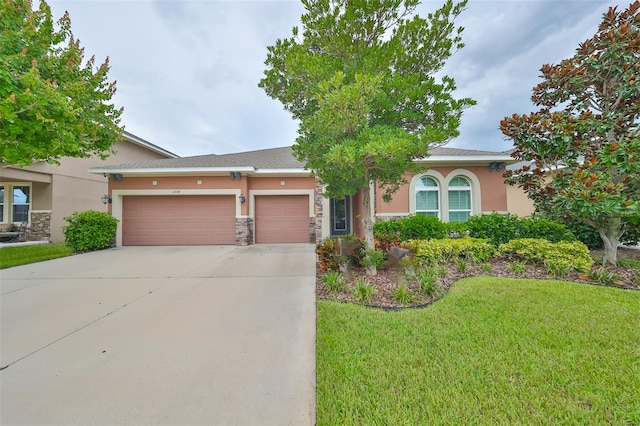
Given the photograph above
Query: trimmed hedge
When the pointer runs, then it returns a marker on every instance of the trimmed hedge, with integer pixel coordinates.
(560, 258)
(416, 227)
(436, 252)
(90, 230)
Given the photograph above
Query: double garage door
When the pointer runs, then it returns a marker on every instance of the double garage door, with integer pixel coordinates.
(211, 219)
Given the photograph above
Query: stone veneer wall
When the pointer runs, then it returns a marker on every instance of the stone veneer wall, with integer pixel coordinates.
(244, 231)
(316, 235)
(40, 226)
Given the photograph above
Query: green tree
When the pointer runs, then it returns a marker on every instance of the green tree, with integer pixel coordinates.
(584, 139)
(360, 79)
(52, 103)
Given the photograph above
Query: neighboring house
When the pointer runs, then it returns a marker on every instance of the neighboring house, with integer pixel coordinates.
(518, 202)
(267, 196)
(44, 194)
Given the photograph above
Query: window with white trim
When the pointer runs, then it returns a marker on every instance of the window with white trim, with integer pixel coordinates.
(15, 202)
(459, 196)
(427, 197)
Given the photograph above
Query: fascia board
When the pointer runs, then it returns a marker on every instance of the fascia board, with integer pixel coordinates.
(282, 172)
(136, 140)
(171, 170)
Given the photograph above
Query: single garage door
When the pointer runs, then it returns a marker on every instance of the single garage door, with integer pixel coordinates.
(178, 220)
(282, 219)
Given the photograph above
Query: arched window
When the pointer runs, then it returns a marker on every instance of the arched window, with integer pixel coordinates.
(427, 197)
(459, 199)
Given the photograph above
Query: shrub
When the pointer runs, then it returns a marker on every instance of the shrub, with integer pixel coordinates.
(409, 228)
(333, 281)
(434, 252)
(559, 257)
(496, 227)
(541, 227)
(517, 267)
(363, 290)
(429, 282)
(457, 229)
(603, 275)
(374, 257)
(401, 294)
(422, 227)
(327, 260)
(90, 230)
(585, 234)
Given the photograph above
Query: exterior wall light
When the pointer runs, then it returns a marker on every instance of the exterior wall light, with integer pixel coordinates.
(106, 199)
(242, 198)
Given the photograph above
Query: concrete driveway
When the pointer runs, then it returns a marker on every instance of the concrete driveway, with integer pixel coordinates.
(161, 335)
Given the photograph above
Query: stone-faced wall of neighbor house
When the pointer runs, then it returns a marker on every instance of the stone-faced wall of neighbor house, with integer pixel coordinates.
(40, 226)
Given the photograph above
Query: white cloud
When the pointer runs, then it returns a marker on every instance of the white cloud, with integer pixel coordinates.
(188, 71)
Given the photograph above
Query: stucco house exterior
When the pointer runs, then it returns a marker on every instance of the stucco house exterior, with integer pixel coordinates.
(267, 196)
(44, 194)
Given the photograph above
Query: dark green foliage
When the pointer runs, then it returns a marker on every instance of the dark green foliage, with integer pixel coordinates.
(586, 234)
(631, 237)
(495, 227)
(541, 227)
(417, 227)
(90, 230)
(503, 228)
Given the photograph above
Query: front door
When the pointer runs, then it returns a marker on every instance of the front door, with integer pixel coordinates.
(341, 216)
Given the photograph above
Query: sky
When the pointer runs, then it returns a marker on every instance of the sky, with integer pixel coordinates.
(187, 71)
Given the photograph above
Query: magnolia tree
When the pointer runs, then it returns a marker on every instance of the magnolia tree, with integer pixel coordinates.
(585, 140)
(359, 77)
(52, 103)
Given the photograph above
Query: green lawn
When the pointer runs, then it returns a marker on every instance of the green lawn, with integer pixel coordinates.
(22, 255)
(492, 351)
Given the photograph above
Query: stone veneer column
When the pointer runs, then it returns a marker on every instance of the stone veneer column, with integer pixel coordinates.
(244, 231)
(40, 226)
(316, 235)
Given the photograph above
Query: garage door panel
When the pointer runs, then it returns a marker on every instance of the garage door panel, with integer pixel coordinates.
(282, 219)
(179, 220)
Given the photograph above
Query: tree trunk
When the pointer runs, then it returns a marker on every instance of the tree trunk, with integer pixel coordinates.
(367, 222)
(611, 238)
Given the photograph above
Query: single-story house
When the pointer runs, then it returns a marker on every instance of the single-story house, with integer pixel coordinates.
(44, 194)
(267, 196)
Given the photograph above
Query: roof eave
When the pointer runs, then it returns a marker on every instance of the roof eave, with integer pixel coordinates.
(147, 145)
(169, 170)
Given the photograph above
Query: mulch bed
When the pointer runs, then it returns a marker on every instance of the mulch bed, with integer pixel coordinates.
(389, 278)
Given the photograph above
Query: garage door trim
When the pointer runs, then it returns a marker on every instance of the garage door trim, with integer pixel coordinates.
(118, 194)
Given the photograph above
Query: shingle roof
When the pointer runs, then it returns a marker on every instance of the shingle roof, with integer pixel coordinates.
(460, 152)
(272, 159)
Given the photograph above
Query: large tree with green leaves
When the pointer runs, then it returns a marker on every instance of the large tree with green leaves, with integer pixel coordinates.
(585, 139)
(361, 79)
(52, 103)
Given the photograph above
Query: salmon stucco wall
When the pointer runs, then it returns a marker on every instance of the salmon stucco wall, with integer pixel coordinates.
(493, 191)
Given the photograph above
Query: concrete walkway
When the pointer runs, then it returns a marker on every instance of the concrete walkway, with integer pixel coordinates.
(161, 335)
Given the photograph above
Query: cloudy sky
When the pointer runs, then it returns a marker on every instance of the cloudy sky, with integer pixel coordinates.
(187, 71)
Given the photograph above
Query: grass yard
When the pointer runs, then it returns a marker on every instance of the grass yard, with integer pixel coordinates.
(22, 255)
(492, 351)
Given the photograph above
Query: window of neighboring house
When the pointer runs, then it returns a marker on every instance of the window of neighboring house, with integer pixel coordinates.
(427, 197)
(459, 199)
(2, 203)
(21, 203)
